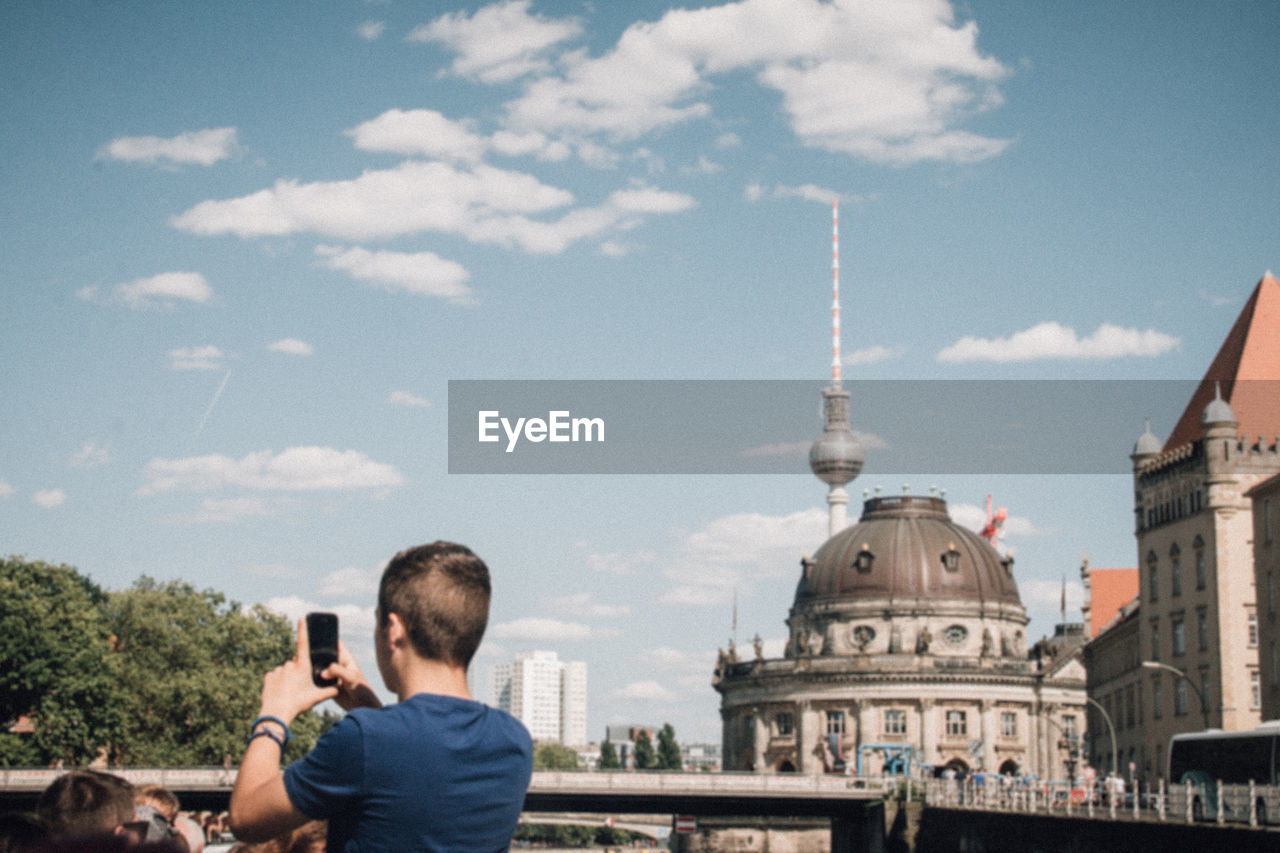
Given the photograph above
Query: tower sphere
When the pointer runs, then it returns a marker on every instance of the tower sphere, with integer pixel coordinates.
(836, 457)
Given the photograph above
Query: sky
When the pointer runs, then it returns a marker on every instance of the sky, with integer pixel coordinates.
(247, 246)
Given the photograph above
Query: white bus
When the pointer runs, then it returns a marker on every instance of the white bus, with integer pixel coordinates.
(1233, 758)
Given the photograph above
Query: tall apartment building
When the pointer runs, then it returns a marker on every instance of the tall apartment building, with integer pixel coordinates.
(545, 693)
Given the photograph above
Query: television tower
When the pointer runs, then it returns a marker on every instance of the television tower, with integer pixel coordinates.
(837, 456)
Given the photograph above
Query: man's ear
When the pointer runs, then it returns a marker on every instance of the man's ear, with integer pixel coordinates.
(397, 634)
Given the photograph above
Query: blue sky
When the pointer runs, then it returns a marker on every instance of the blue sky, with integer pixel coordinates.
(247, 247)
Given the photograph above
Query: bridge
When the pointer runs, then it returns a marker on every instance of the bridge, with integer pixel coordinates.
(852, 804)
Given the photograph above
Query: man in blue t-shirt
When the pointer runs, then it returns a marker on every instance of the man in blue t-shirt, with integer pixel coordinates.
(437, 770)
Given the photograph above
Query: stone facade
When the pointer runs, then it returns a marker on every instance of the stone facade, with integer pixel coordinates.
(1266, 561)
(907, 650)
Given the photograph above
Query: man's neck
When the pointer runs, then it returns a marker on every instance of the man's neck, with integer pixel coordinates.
(420, 675)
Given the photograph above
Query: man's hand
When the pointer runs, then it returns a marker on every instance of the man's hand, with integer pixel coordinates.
(288, 690)
(354, 690)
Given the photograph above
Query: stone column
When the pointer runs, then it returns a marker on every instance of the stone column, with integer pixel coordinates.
(808, 728)
(987, 731)
(928, 721)
(866, 733)
(759, 739)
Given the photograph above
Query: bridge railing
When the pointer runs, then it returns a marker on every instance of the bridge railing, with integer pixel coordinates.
(782, 784)
(214, 778)
(1252, 804)
(173, 778)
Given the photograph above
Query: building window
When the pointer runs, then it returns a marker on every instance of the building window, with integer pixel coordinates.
(895, 722)
(1129, 708)
(1253, 628)
(1275, 664)
(1202, 629)
(1204, 691)
(1180, 697)
(1008, 724)
(1155, 641)
(1200, 567)
(1271, 592)
(1069, 730)
(1255, 690)
(1156, 711)
(1175, 570)
(1153, 577)
(956, 724)
(835, 722)
(1266, 520)
(785, 724)
(1179, 637)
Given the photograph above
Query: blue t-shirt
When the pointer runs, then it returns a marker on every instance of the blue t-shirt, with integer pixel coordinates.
(433, 773)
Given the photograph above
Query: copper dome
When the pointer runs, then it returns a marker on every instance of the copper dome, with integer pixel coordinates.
(909, 551)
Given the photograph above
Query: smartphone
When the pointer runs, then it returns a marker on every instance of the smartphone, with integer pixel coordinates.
(322, 631)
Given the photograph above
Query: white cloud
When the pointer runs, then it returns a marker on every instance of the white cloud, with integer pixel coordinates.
(292, 470)
(227, 510)
(90, 455)
(974, 517)
(621, 563)
(644, 691)
(195, 358)
(291, 346)
(869, 355)
(198, 148)
(6, 490)
(728, 140)
(352, 583)
(1051, 340)
(355, 621)
(883, 82)
(729, 552)
(869, 441)
(159, 291)
(540, 630)
(805, 192)
(419, 132)
(1046, 596)
(421, 273)
(49, 498)
(371, 30)
(480, 203)
(583, 604)
(499, 42)
(404, 398)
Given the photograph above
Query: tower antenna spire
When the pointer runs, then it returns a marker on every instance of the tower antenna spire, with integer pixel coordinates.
(836, 457)
(835, 292)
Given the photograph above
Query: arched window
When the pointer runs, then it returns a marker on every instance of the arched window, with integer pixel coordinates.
(1198, 547)
(1153, 577)
(1175, 570)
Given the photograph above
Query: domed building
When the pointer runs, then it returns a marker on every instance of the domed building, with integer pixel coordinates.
(907, 646)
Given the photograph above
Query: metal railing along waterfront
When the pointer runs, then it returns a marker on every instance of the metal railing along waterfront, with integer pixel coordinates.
(1251, 804)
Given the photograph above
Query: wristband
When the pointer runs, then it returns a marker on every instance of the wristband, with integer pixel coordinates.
(267, 733)
(267, 718)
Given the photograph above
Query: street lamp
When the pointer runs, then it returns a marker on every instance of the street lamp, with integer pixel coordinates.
(1111, 729)
(1204, 703)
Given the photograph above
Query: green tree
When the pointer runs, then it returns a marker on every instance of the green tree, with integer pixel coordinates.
(55, 650)
(553, 756)
(191, 666)
(645, 758)
(668, 749)
(609, 756)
